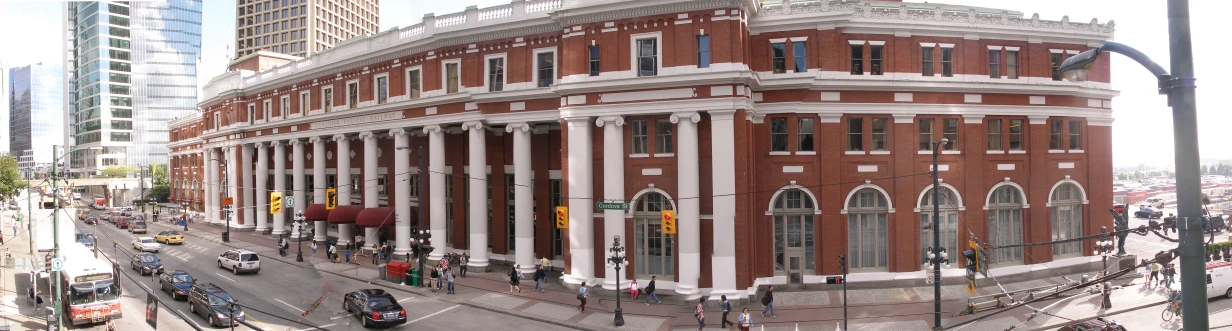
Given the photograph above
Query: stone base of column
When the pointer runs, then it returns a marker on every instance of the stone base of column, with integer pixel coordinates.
(610, 285)
(477, 266)
(570, 279)
(734, 295)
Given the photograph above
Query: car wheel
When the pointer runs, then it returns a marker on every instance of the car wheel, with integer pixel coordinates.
(1228, 294)
(192, 308)
(346, 308)
(364, 321)
(235, 269)
(214, 321)
(219, 264)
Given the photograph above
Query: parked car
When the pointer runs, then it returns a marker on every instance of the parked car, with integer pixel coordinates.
(146, 244)
(169, 237)
(1097, 324)
(146, 263)
(137, 227)
(374, 307)
(212, 302)
(1148, 213)
(177, 283)
(1119, 207)
(240, 260)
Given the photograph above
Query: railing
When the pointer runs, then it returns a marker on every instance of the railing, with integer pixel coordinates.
(496, 12)
(541, 5)
(451, 20)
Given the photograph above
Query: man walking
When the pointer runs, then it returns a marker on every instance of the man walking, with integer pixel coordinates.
(1169, 274)
(450, 277)
(650, 292)
(466, 258)
(540, 277)
(727, 308)
(768, 301)
(376, 254)
(332, 253)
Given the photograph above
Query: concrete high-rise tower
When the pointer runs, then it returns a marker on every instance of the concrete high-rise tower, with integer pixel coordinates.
(301, 27)
(36, 109)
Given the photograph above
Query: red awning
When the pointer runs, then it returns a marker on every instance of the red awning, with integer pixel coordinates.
(316, 212)
(344, 214)
(375, 217)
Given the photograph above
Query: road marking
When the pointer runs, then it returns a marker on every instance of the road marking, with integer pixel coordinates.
(147, 288)
(290, 305)
(254, 319)
(225, 277)
(434, 314)
(318, 327)
(1151, 243)
(190, 319)
(408, 298)
(339, 317)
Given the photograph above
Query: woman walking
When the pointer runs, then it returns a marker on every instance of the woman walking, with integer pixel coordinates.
(314, 248)
(515, 280)
(746, 320)
(700, 314)
(582, 294)
(436, 274)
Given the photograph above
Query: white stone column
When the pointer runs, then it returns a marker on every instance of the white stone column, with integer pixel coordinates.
(523, 198)
(280, 185)
(344, 184)
(436, 175)
(613, 189)
(723, 178)
(688, 207)
(299, 189)
(477, 179)
(247, 190)
(402, 191)
(581, 209)
(262, 194)
(212, 186)
(318, 185)
(233, 182)
(371, 200)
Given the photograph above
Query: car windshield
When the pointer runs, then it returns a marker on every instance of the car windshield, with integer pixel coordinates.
(249, 257)
(218, 298)
(379, 302)
(171, 233)
(147, 241)
(182, 278)
(147, 258)
(106, 290)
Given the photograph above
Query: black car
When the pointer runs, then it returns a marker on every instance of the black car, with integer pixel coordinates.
(1148, 213)
(146, 263)
(214, 303)
(375, 307)
(177, 283)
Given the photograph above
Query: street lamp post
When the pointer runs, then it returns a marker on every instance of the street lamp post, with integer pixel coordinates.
(226, 235)
(1180, 89)
(301, 222)
(1103, 248)
(185, 216)
(616, 259)
(422, 237)
(937, 254)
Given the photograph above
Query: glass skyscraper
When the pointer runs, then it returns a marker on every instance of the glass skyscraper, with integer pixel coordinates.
(36, 111)
(134, 68)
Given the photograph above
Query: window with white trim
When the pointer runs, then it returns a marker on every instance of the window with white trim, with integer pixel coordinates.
(638, 133)
(1005, 225)
(949, 130)
(778, 134)
(857, 59)
(382, 89)
(703, 51)
(327, 99)
(1056, 58)
(875, 56)
(1017, 140)
(867, 228)
(947, 62)
(594, 60)
(545, 68)
(352, 90)
(804, 135)
(994, 63)
(413, 83)
(382, 186)
(798, 56)
(496, 74)
(1011, 64)
(778, 57)
(927, 129)
(252, 114)
(452, 83)
(647, 57)
(994, 135)
(1055, 135)
(663, 136)
(285, 103)
(926, 60)
(267, 108)
(1066, 219)
(305, 102)
(1075, 134)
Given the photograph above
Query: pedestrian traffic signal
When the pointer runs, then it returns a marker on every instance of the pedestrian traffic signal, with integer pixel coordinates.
(562, 217)
(275, 206)
(834, 280)
(972, 258)
(842, 263)
(981, 261)
(669, 221)
(331, 198)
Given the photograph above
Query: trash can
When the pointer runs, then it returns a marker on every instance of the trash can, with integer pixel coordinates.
(413, 275)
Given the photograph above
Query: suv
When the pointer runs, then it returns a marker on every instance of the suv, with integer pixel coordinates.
(213, 303)
(375, 307)
(137, 227)
(240, 260)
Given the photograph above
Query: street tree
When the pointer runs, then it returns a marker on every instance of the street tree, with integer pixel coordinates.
(118, 171)
(161, 190)
(10, 179)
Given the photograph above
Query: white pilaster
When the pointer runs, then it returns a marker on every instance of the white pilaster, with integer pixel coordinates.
(402, 191)
(318, 185)
(477, 179)
(613, 188)
(436, 175)
(688, 219)
(246, 191)
(370, 184)
(211, 186)
(262, 194)
(523, 214)
(723, 177)
(233, 180)
(344, 184)
(300, 191)
(581, 210)
(280, 185)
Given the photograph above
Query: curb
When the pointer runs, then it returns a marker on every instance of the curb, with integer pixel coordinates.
(1107, 313)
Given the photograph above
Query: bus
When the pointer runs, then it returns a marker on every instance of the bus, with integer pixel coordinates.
(91, 290)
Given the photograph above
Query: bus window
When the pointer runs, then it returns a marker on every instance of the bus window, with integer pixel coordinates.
(81, 294)
(107, 290)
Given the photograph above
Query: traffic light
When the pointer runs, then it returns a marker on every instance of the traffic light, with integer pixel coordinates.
(669, 221)
(842, 263)
(562, 217)
(972, 257)
(981, 261)
(275, 203)
(331, 198)
(834, 280)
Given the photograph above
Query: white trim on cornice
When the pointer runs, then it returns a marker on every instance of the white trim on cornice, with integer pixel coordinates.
(909, 110)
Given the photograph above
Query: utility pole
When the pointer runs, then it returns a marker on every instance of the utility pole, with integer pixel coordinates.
(55, 231)
(30, 210)
(1188, 176)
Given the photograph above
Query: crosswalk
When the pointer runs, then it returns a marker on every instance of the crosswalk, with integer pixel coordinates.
(186, 251)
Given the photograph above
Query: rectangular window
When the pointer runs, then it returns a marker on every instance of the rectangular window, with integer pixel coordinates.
(778, 134)
(252, 113)
(994, 63)
(857, 59)
(382, 89)
(875, 56)
(413, 81)
(451, 78)
(799, 52)
(285, 107)
(926, 61)
(496, 74)
(639, 136)
(557, 194)
(855, 134)
(1054, 134)
(356, 183)
(1075, 135)
(382, 187)
(647, 57)
(1056, 66)
(778, 55)
(804, 135)
(352, 95)
(305, 101)
(546, 68)
(1016, 139)
(594, 60)
(663, 136)
(1011, 64)
(881, 134)
(994, 135)
(949, 130)
(927, 129)
(327, 99)
(414, 193)
(703, 51)
(268, 109)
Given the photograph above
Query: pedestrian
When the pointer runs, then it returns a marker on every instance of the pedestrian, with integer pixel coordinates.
(633, 290)
(700, 314)
(582, 294)
(466, 258)
(545, 263)
(385, 252)
(1146, 272)
(515, 279)
(440, 281)
(725, 306)
(1169, 275)
(375, 254)
(450, 278)
(436, 274)
(348, 255)
(14, 229)
(746, 320)
(332, 253)
(540, 277)
(650, 292)
(1154, 274)
(314, 248)
(768, 301)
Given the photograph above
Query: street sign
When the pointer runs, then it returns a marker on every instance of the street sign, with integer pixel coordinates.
(227, 201)
(611, 206)
(57, 264)
(290, 201)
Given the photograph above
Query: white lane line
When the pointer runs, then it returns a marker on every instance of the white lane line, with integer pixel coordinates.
(147, 288)
(189, 317)
(225, 277)
(290, 305)
(339, 317)
(408, 298)
(433, 314)
(318, 327)
(1140, 241)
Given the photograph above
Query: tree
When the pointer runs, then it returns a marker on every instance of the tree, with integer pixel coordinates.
(119, 171)
(10, 179)
(161, 191)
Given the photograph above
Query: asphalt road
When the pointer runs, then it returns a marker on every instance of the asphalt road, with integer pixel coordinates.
(1151, 318)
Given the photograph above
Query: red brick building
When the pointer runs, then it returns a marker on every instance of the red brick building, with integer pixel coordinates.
(782, 135)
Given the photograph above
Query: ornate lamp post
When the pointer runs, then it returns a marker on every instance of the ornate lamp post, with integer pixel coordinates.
(185, 212)
(300, 222)
(616, 259)
(938, 253)
(421, 238)
(1103, 247)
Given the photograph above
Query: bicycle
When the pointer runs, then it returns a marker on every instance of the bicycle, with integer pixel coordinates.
(1173, 309)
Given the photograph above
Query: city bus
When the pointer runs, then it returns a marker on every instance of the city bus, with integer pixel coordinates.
(91, 291)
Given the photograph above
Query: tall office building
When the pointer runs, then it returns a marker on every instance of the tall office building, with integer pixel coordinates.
(301, 27)
(4, 110)
(36, 109)
(133, 68)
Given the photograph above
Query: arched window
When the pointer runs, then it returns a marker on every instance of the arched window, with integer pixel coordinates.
(947, 221)
(1005, 224)
(1066, 219)
(867, 212)
(652, 249)
(793, 235)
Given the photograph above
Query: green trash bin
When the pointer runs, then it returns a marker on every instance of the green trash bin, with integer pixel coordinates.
(413, 275)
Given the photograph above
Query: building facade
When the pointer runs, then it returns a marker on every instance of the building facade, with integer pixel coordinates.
(36, 110)
(301, 27)
(133, 67)
(782, 135)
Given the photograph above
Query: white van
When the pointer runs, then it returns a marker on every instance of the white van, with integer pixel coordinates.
(1219, 279)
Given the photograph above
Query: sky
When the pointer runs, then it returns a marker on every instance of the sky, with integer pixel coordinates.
(1141, 132)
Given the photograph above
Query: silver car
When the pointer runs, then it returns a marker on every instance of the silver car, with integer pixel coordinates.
(240, 260)
(146, 244)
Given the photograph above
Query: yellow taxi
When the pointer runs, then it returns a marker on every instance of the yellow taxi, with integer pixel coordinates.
(169, 237)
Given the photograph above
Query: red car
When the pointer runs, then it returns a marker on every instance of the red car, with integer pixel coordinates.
(1119, 207)
(122, 222)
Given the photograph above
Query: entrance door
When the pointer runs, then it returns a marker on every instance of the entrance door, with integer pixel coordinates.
(653, 249)
(794, 252)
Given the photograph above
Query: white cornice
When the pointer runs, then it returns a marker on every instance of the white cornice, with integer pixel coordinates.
(1095, 116)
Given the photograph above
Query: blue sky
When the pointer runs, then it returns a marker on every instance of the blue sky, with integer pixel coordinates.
(1141, 133)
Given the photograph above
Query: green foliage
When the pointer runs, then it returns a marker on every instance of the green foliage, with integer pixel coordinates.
(10, 180)
(160, 193)
(119, 171)
(158, 173)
